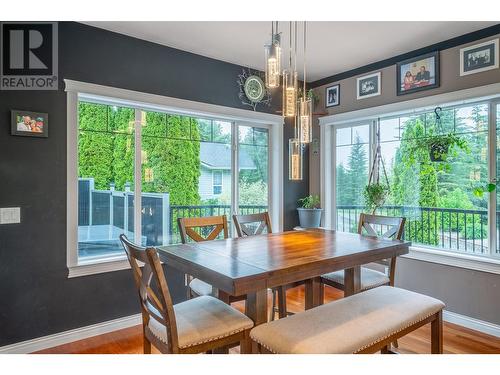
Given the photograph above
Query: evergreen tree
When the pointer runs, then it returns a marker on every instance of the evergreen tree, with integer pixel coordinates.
(357, 173)
(342, 182)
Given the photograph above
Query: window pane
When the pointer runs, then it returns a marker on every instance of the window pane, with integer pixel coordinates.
(154, 124)
(253, 153)
(352, 176)
(389, 129)
(203, 130)
(183, 175)
(343, 136)
(178, 127)
(121, 119)
(440, 200)
(222, 132)
(105, 180)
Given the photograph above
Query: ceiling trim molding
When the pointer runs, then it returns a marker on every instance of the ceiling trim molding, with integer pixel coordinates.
(450, 43)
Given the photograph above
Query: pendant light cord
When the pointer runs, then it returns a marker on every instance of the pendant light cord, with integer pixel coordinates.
(290, 48)
(305, 37)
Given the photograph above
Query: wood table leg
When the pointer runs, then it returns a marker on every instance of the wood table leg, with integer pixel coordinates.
(282, 302)
(312, 293)
(256, 306)
(256, 309)
(223, 296)
(352, 281)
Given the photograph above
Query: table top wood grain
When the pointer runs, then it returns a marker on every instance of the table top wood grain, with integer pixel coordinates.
(243, 265)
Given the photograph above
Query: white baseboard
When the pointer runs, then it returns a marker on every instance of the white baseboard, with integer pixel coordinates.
(50, 341)
(472, 323)
(61, 338)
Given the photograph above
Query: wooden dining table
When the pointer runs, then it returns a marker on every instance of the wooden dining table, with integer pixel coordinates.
(250, 265)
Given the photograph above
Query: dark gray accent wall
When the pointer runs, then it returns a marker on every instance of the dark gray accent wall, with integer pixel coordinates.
(37, 297)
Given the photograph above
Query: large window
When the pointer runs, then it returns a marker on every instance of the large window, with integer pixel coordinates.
(439, 199)
(139, 170)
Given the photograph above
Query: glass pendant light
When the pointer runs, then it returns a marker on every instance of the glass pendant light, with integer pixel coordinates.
(290, 86)
(305, 106)
(294, 159)
(273, 58)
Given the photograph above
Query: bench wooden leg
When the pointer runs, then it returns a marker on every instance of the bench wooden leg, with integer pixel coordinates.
(246, 344)
(146, 344)
(437, 334)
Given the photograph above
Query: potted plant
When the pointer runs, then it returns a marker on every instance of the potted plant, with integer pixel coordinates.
(375, 195)
(439, 145)
(309, 211)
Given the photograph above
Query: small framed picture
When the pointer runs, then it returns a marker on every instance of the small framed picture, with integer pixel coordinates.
(332, 96)
(479, 57)
(368, 86)
(29, 124)
(418, 73)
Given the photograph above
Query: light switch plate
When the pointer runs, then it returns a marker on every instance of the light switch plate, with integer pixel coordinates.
(10, 215)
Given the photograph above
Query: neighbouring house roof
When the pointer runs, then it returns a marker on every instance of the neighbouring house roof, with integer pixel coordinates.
(218, 156)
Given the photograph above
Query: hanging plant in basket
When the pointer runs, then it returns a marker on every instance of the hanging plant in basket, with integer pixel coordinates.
(376, 192)
(440, 144)
(375, 195)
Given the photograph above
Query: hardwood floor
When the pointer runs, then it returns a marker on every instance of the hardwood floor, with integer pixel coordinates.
(457, 339)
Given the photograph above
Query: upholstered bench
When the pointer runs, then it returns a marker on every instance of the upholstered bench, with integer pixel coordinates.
(363, 323)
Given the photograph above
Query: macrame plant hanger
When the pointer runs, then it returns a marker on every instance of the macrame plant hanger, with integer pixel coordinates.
(377, 162)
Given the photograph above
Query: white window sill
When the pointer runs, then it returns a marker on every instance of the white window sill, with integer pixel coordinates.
(467, 261)
(99, 266)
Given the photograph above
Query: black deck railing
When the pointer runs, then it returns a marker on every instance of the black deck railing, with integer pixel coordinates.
(449, 228)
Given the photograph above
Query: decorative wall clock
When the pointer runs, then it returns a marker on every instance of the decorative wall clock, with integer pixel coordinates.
(252, 89)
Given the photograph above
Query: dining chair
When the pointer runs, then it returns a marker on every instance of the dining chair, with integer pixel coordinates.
(195, 326)
(256, 224)
(201, 229)
(376, 226)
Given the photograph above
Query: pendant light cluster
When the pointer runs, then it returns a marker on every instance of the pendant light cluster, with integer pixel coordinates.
(273, 58)
(297, 108)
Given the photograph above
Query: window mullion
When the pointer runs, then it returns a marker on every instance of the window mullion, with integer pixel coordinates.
(234, 169)
(138, 176)
(492, 145)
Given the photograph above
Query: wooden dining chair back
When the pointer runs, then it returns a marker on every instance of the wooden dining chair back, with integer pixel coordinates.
(381, 226)
(390, 227)
(252, 224)
(148, 275)
(201, 229)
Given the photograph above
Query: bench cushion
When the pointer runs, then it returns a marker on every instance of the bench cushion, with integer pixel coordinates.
(202, 319)
(369, 278)
(347, 325)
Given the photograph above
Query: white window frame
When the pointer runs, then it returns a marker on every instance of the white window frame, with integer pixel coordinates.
(221, 171)
(328, 124)
(75, 90)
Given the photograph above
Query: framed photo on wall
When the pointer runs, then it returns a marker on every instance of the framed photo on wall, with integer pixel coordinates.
(418, 73)
(332, 96)
(479, 57)
(368, 86)
(29, 124)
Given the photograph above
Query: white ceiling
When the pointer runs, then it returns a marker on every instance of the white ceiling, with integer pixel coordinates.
(332, 47)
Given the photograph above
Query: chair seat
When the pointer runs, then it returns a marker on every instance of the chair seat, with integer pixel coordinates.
(202, 319)
(369, 278)
(201, 288)
(348, 325)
